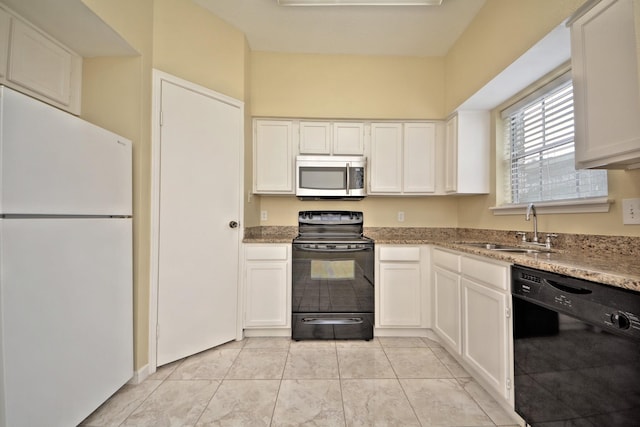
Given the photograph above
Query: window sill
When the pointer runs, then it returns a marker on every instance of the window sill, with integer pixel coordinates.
(596, 205)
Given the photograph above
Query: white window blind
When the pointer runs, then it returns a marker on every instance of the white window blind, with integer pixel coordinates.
(540, 149)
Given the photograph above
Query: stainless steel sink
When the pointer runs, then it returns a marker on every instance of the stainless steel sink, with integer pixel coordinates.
(504, 248)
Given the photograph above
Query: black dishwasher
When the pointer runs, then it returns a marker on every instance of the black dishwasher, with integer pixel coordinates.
(576, 351)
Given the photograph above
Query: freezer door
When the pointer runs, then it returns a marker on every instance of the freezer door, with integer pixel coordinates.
(54, 163)
(66, 323)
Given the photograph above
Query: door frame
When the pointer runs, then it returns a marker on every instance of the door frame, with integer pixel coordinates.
(158, 77)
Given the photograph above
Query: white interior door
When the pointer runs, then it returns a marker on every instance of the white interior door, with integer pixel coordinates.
(200, 189)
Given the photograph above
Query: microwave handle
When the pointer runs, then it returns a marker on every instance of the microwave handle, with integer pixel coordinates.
(348, 178)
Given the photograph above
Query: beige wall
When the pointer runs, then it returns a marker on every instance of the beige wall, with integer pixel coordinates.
(378, 211)
(175, 36)
(116, 94)
(349, 86)
(484, 49)
(193, 44)
(501, 32)
(180, 38)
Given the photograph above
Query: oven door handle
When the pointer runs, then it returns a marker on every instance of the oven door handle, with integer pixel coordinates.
(332, 320)
(332, 249)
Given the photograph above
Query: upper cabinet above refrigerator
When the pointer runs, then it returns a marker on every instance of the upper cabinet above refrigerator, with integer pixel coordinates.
(605, 39)
(35, 63)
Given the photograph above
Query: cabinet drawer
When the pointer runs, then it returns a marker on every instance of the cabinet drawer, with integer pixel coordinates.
(400, 253)
(266, 252)
(446, 260)
(491, 274)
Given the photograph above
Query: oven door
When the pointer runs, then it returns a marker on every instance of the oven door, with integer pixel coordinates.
(333, 291)
(571, 373)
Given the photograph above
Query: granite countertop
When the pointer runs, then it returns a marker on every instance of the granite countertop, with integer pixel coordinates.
(619, 271)
(612, 260)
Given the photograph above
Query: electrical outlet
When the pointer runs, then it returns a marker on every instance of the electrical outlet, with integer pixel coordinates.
(264, 216)
(400, 216)
(630, 211)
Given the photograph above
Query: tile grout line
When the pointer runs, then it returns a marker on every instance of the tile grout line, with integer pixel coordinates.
(162, 381)
(222, 380)
(275, 402)
(344, 412)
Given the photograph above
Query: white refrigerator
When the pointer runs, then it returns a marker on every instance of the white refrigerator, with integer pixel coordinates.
(66, 303)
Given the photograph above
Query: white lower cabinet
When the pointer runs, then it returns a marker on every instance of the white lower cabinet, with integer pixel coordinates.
(267, 286)
(446, 322)
(402, 299)
(446, 298)
(472, 316)
(485, 339)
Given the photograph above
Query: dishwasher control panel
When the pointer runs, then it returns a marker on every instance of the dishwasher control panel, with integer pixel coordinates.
(601, 305)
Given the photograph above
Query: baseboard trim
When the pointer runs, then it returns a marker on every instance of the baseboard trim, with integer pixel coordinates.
(401, 332)
(268, 332)
(140, 375)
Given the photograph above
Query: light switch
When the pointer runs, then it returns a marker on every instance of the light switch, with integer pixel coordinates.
(400, 216)
(630, 211)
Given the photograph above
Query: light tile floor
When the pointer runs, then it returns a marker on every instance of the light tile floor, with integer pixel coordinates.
(280, 382)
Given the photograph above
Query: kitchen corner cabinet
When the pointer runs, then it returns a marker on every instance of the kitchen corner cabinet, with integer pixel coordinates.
(472, 315)
(605, 47)
(402, 286)
(467, 153)
(333, 138)
(267, 286)
(273, 156)
(402, 159)
(36, 64)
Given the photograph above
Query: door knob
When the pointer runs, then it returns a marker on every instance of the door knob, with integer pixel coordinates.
(233, 224)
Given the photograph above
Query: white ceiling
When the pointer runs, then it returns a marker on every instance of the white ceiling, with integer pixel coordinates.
(360, 30)
(73, 24)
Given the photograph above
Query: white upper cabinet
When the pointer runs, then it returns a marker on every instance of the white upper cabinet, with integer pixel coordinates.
(348, 138)
(36, 64)
(467, 153)
(402, 160)
(386, 158)
(315, 137)
(338, 138)
(273, 157)
(605, 43)
(419, 158)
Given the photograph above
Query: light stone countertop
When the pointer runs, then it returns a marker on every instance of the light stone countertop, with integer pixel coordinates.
(612, 260)
(619, 271)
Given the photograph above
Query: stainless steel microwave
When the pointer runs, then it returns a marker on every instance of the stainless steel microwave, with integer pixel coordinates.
(331, 177)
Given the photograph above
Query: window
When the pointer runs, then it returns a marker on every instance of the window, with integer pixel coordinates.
(540, 152)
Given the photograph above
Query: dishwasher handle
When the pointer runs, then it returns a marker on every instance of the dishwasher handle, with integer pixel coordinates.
(567, 288)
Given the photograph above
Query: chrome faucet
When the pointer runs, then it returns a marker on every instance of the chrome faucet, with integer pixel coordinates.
(532, 208)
